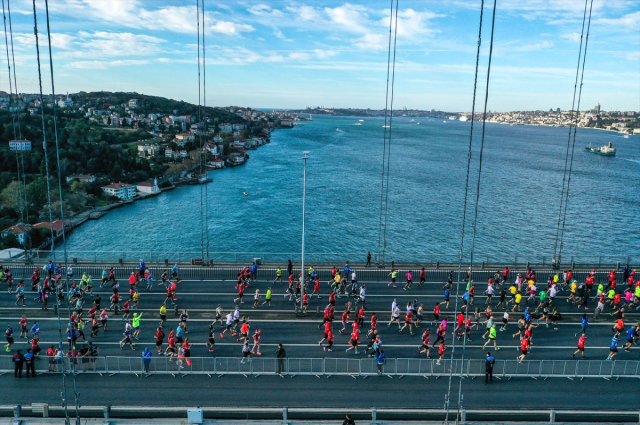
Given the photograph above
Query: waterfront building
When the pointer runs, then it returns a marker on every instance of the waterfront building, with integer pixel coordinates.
(148, 187)
(57, 226)
(20, 230)
(120, 190)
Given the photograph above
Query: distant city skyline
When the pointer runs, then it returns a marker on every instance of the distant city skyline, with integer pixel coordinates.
(288, 54)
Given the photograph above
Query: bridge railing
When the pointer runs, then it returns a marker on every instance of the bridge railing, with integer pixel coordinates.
(326, 258)
(355, 367)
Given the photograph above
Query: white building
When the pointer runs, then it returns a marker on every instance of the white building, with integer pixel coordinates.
(213, 149)
(20, 145)
(186, 137)
(216, 163)
(148, 187)
(133, 103)
(121, 190)
(168, 153)
(239, 126)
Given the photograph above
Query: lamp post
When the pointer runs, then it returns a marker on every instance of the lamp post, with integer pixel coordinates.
(304, 198)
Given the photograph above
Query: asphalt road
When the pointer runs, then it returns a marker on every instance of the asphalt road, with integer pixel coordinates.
(300, 336)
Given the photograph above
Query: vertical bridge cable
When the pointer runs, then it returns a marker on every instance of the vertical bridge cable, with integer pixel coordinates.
(386, 196)
(64, 237)
(53, 252)
(384, 146)
(15, 85)
(475, 213)
(384, 189)
(13, 116)
(200, 133)
(575, 129)
(556, 259)
(204, 100)
(464, 210)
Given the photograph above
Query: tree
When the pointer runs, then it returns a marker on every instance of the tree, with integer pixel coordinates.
(12, 196)
(39, 235)
(116, 171)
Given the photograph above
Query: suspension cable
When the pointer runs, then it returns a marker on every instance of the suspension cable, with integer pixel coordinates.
(384, 139)
(204, 99)
(575, 129)
(386, 196)
(15, 85)
(13, 115)
(200, 133)
(464, 210)
(53, 252)
(556, 260)
(385, 146)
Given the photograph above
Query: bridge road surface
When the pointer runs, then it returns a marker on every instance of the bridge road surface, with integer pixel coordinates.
(300, 336)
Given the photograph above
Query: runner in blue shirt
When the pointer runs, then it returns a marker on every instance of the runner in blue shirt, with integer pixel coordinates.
(447, 294)
(632, 335)
(613, 348)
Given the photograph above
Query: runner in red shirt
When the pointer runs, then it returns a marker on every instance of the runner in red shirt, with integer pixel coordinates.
(581, 345)
(330, 341)
(354, 340)
(425, 343)
(345, 321)
(436, 313)
(240, 293)
(316, 289)
(524, 347)
(374, 324)
(327, 329)
(24, 333)
(441, 349)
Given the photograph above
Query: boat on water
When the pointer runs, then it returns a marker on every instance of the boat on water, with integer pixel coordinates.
(386, 126)
(607, 150)
(412, 120)
(357, 123)
(360, 120)
(418, 123)
(245, 193)
(626, 136)
(337, 129)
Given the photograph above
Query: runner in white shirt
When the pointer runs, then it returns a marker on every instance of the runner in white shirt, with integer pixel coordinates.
(395, 316)
(362, 294)
(229, 325)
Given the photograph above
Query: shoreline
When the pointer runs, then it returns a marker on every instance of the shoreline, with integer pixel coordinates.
(100, 212)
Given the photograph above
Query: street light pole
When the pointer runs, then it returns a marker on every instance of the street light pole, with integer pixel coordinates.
(304, 199)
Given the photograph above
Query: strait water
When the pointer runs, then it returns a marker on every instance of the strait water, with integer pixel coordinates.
(520, 189)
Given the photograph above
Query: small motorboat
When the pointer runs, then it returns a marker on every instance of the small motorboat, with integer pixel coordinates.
(245, 193)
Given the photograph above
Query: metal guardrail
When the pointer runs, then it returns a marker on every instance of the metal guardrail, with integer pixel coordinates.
(354, 367)
(364, 274)
(329, 258)
(294, 415)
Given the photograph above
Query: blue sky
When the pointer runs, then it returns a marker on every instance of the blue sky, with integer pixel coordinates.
(294, 54)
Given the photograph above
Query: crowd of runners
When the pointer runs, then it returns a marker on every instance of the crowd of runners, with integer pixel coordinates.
(513, 303)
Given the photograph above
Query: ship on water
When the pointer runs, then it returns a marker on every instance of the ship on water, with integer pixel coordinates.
(607, 150)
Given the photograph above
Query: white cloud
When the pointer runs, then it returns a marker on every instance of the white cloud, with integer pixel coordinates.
(264, 10)
(230, 28)
(102, 43)
(131, 13)
(631, 20)
(104, 64)
(571, 37)
(371, 42)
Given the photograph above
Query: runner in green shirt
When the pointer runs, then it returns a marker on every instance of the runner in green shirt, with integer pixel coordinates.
(492, 337)
(136, 324)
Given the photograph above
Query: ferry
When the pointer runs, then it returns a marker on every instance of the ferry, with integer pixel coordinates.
(607, 150)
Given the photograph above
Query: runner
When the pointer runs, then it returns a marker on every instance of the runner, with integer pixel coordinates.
(524, 348)
(267, 298)
(163, 314)
(409, 281)
(441, 350)
(492, 337)
(171, 347)
(256, 343)
(136, 325)
(219, 314)
(159, 339)
(246, 352)
(408, 321)
(212, 338)
(393, 274)
(354, 341)
(613, 348)
(581, 346)
(424, 348)
(127, 340)
(422, 278)
(278, 275)
(256, 299)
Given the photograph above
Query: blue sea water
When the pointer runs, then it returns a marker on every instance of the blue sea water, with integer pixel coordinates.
(522, 173)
